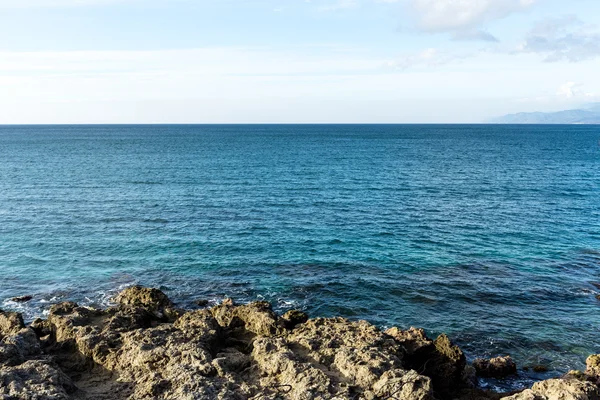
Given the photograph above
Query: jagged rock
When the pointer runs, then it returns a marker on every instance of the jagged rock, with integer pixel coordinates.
(593, 365)
(403, 385)
(10, 355)
(10, 323)
(144, 348)
(17, 343)
(415, 341)
(41, 327)
(22, 299)
(559, 389)
(498, 367)
(446, 365)
(439, 359)
(152, 300)
(283, 369)
(35, 380)
(201, 303)
(293, 318)
(577, 375)
(230, 360)
(170, 360)
(138, 296)
(257, 318)
(358, 350)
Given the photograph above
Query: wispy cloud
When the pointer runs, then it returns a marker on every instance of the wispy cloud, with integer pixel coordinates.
(566, 38)
(566, 95)
(463, 19)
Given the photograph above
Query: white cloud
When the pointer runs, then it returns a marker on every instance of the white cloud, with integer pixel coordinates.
(567, 95)
(572, 90)
(464, 19)
(566, 38)
(567, 90)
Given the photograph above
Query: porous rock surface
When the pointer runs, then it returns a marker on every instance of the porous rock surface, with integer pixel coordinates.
(146, 348)
(498, 367)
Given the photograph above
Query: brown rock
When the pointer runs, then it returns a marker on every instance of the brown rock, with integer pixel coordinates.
(22, 299)
(577, 375)
(37, 380)
(559, 389)
(257, 318)
(201, 303)
(153, 301)
(293, 318)
(404, 385)
(593, 365)
(138, 296)
(10, 323)
(446, 365)
(498, 367)
(414, 341)
(144, 348)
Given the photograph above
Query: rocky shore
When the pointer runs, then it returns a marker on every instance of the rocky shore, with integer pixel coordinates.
(144, 347)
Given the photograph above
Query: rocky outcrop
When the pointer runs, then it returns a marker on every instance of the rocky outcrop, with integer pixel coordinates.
(498, 367)
(439, 359)
(25, 373)
(559, 389)
(146, 348)
(593, 365)
(22, 299)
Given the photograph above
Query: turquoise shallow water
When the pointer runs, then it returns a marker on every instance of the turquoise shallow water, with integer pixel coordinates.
(488, 233)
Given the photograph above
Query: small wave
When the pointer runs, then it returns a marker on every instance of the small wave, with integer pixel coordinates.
(156, 220)
(146, 183)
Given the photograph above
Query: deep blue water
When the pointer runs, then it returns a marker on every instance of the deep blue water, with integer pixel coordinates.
(488, 233)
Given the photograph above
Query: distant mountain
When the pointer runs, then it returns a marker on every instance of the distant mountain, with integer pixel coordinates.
(588, 115)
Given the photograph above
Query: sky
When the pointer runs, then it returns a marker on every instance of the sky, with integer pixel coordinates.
(294, 61)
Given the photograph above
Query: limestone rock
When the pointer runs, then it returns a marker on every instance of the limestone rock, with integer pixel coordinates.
(498, 367)
(593, 365)
(559, 389)
(404, 385)
(446, 365)
(10, 323)
(438, 359)
(415, 341)
(293, 318)
(138, 296)
(258, 318)
(35, 380)
(152, 300)
(282, 369)
(145, 348)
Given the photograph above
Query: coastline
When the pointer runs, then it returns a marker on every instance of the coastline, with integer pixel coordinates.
(144, 347)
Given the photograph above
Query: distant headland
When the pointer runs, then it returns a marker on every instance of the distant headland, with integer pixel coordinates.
(589, 114)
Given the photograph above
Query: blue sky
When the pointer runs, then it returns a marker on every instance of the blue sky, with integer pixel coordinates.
(234, 61)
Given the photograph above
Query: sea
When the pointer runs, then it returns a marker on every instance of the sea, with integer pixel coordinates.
(489, 233)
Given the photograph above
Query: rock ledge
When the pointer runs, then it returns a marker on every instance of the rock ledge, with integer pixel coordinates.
(146, 348)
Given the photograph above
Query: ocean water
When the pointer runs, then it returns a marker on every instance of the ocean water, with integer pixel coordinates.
(488, 233)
